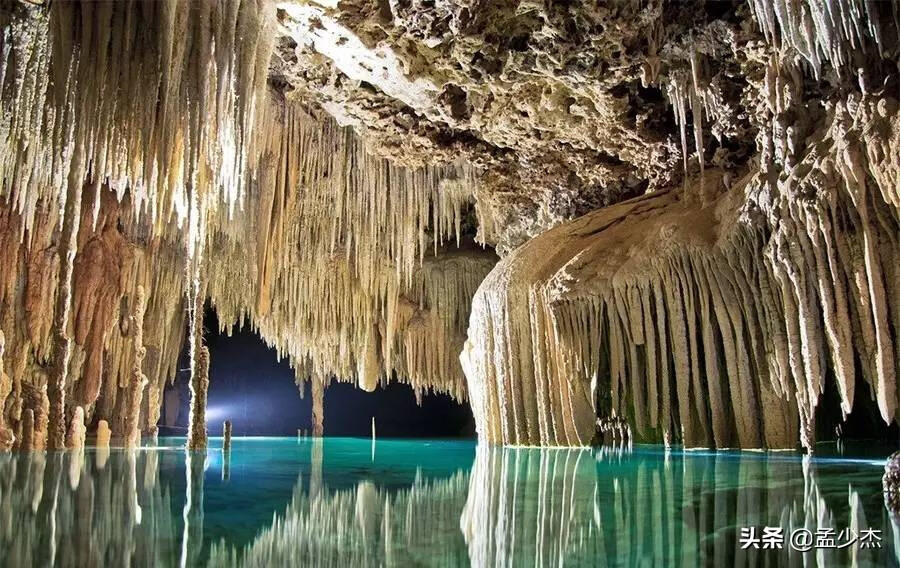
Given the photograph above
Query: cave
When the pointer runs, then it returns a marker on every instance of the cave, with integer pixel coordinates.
(368, 283)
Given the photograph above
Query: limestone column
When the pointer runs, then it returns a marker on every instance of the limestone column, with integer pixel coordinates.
(197, 435)
(197, 439)
(77, 431)
(7, 438)
(27, 431)
(138, 381)
(62, 343)
(318, 410)
(226, 434)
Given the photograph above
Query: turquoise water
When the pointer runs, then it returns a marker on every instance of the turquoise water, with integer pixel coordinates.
(343, 502)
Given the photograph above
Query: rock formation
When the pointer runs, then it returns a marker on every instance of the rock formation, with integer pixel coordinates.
(26, 436)
(197, 433)
(135, 390)
(103, 434)
(77, 431)
(226, 436)
(891, 483)
(7, 438)
(695, 205)
(318, 408)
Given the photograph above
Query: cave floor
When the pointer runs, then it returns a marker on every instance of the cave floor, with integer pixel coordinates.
(352, 502)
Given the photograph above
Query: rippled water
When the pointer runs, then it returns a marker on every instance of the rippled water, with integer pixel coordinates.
(343, 502)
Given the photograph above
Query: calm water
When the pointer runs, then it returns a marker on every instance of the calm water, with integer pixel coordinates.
(338, 502)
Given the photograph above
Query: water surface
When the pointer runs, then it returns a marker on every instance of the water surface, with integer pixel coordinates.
(343, 502)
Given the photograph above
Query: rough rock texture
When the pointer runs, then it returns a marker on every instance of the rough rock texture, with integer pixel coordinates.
(318, 408)
(26, 436)
(696, 204)
(135, 392)
(891, 482)
(705, 316)
(300, 231)
(77, 431)
(197, 433)
(7, 437)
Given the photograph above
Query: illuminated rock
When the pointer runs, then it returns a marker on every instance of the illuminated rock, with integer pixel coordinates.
(697, 210)
(7, 437)
(318, 408)
(226, 436)
(891, 482)
(197, 435)
(77, 431)
(138, 380)
(103, 434)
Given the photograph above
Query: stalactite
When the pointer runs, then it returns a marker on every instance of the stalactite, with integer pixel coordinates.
(177, 160)
(343, 282)
(820, 31)
(115, 88)
(135, 392)
(747, 367)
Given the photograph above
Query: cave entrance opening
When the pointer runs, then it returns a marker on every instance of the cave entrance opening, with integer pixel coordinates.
(250, 386)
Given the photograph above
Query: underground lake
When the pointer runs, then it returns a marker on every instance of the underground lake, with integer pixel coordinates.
(355, 502)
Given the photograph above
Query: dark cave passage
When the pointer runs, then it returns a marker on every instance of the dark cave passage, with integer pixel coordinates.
(257, 392)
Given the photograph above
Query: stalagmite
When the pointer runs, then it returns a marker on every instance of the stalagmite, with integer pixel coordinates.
(103, 434)
(62, 342)
(135, 392)
(226, 436)
(77, 431)
(7, 437)
(27, 443)
(318, 410)
(197, 434)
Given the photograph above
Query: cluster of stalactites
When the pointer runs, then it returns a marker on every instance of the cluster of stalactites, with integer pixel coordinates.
(112, 262)
(720, 332)
(837, 32)
(824, 31)
(338, 272)
(158, 98)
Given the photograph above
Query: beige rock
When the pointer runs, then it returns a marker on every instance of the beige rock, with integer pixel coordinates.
(103, 434)
(77, 431)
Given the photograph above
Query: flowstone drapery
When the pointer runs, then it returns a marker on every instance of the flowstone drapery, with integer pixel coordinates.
(705, 316)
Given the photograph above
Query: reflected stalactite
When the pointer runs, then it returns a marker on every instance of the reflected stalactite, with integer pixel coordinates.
(616, 507)
(609, 507)
(74, 509)
(362, 526)
(192, 537)
(529, 504)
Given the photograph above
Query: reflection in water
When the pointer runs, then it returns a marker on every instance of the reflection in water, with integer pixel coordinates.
(82, 509)
(511, 507)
